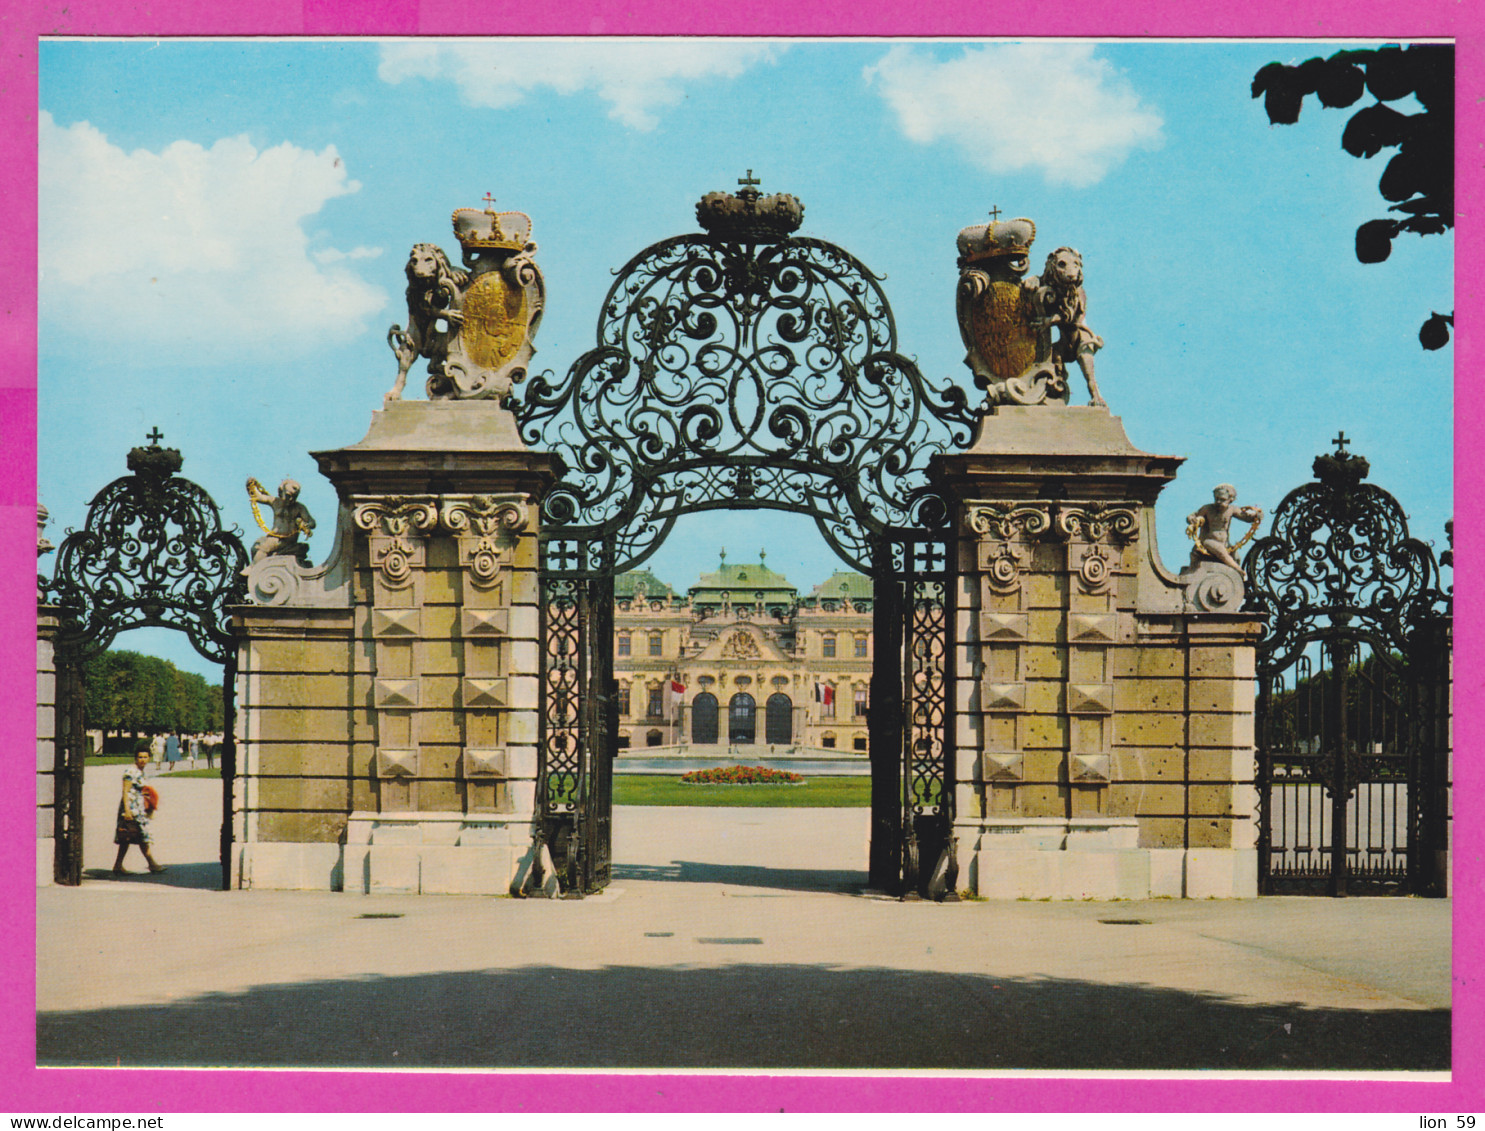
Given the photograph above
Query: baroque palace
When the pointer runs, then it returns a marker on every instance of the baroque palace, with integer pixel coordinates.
(742, 659)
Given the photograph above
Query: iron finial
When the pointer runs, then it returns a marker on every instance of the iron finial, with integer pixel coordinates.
(154, 436)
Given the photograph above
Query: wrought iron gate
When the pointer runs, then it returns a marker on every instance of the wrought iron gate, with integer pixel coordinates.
(1353, 693)
(152, 553)
(739, 368)
(912, 750)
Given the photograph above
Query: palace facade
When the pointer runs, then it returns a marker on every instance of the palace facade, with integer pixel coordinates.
(742, 659)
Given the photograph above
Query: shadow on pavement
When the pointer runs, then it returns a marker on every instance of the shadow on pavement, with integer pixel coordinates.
(198, 876)
(745, 875)
(740, 1016)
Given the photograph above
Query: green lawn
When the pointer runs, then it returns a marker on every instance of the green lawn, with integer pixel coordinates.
(815, 793)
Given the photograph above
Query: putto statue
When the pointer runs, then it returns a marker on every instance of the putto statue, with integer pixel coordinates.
(1006, 317)
(474, 325)
(291, 518)
(1209, 527)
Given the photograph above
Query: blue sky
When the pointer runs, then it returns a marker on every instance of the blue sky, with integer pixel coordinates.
(223, 228)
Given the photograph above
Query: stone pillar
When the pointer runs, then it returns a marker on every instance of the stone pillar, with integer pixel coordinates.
(390, 706)
(46, 744)
(1104, 725)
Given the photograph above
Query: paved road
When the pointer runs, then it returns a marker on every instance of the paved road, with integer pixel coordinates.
(729, 938)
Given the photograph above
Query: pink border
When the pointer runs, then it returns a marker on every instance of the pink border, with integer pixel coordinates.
(26, 1089)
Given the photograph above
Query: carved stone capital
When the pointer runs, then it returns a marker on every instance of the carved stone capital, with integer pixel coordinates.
(399, 528)
(1097, 522)
(1010, 522)
(487, 527)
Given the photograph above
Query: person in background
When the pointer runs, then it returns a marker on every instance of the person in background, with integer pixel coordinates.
(136, 808)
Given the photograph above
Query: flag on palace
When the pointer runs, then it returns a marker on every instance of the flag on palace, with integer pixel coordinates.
(824, 693)
(674, 692)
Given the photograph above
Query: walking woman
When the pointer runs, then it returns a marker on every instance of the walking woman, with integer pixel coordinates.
(136, 807)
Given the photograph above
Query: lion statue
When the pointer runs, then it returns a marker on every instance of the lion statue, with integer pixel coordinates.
(435, 300)
(1064, 304)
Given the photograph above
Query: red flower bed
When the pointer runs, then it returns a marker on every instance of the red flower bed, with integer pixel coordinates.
(741, 775)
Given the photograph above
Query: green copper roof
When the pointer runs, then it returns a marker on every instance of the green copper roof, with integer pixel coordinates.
(741, 581)
(626, 583)
(843, 583)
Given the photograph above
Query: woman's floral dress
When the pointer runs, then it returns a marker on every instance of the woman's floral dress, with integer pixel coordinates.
(134, 822)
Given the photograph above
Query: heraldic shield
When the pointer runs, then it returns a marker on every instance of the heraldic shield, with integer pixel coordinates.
(1008, 342)
(475, 325)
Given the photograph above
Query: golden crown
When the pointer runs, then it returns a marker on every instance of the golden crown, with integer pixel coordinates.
(997, 239)
(486, 228)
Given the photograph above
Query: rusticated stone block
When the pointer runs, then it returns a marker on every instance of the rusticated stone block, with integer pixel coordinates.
(1149, 695)
(1162, 832)
(1003, 697)
(1211, 800)
(1222, 730)
(1041, 801)
(1211, 832)
(1148, 661)
(1090, 698)
(1222, 695)
(1044, 661)
(1045, 590)
(1044, 731)
(1152, 763)
(1222, 662)
(1149, 730)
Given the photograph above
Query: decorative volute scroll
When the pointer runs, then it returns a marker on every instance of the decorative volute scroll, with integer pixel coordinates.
(486, 526)
(398, 528)
(476, 325)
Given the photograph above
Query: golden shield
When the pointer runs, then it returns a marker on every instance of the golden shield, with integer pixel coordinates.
(494, 320)
(999, 325)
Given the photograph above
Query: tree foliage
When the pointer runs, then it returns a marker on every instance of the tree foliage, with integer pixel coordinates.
(1418, 180)
(127, 691)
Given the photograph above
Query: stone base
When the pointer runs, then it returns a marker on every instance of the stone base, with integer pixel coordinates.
(46, 865)
(1095, 858)
(389, 853)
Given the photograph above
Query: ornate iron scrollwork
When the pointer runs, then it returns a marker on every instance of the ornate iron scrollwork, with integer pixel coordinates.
(743, 370)
(1339, 550)
(153, 553)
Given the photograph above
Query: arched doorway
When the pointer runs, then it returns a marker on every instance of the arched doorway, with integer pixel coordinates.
(778, 723)
(704, 719)
(153, 552)
(742, 719)
(746, 367)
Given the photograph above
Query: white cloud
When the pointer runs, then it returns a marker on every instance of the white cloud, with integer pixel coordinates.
(192, 246)
(636, 78)
(1052, 107)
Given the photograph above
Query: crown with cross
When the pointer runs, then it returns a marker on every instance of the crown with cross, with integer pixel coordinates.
(749, 216)
(1340, 469)
(154, 461)
(486, 228)
(997, 239)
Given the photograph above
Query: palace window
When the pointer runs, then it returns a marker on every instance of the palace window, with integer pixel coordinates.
(858, 703)
(858, 744)
(655, 644)
(827, 646)
(828, 741)
(623, 644)
(624, 703)
(861, 647)
(656, 706)
(654, 738)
